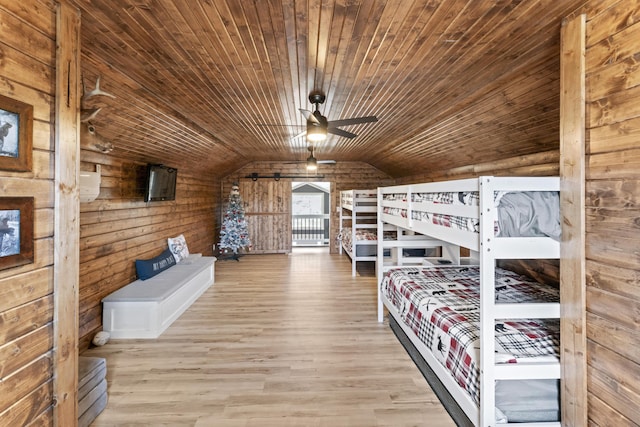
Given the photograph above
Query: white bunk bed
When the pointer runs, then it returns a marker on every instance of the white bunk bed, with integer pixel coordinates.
(359, 232)
(420, 208)
(358, 225)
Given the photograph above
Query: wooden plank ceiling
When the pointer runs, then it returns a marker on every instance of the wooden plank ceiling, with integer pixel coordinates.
(212, 84)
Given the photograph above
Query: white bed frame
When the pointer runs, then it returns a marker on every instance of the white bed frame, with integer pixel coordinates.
(489, 248)
(359, 209)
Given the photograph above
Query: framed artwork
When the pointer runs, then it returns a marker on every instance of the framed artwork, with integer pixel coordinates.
(16, 231)
(16, 135)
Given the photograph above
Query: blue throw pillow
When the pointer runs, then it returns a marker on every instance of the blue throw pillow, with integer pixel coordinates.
(147, 268)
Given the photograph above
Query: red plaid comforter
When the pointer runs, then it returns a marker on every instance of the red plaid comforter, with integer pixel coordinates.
(441, 306)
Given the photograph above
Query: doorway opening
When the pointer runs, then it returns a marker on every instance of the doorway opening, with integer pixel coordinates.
(310, 208)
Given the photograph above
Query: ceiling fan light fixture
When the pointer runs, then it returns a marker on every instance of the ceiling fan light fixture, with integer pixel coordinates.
(312, 163)
(316, 133)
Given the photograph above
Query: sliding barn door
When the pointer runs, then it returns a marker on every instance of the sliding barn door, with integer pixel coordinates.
(267, 206)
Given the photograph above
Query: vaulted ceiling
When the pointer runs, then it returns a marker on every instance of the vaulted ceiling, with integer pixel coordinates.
(215, 84)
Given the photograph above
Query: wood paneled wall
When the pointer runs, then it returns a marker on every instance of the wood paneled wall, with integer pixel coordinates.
(540, 164)
(342, 176)
(119, 227)
(613, 213)
(27, 71)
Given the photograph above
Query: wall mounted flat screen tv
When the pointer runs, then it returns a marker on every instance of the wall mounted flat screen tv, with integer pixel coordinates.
(161, 183)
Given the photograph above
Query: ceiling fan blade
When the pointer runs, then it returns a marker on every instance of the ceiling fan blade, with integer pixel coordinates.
(341, 132)
(309, 116)
(276, 125)
(300, 135)
(353, 121)
(320, 162)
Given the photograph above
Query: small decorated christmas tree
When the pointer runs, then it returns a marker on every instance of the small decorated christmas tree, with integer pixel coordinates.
(234, 234)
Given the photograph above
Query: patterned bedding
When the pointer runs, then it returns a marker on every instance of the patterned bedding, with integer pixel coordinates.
(441, 306)
(361, 235)
(467, 198)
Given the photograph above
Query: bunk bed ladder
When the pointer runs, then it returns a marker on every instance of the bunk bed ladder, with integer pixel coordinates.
(361, 217)
(491, 249)
(487, 303)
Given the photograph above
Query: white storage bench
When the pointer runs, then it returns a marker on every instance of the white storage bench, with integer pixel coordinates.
(145, 309)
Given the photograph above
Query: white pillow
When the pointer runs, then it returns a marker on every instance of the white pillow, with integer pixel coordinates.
(178, 247)
(190, 259)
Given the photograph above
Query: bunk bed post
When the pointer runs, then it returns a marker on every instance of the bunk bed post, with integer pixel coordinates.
(354, 242)
(487, 301)
(451, 252)
(351, 195)
(380, 255)
(340, 225)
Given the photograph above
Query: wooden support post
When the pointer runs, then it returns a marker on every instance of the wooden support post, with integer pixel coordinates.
(572, 208)
(67, 215)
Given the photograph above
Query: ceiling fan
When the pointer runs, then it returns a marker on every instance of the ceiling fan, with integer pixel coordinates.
(312, 163)
(318, 126)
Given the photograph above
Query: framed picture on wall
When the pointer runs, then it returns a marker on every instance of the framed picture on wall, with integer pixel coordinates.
(16, 135)
(16, 231)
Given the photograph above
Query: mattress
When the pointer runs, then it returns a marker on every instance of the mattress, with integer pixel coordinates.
(441, 306)
(523, 214)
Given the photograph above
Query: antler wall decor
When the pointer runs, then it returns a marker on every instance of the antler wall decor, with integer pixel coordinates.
(97, 91)
(87, 114)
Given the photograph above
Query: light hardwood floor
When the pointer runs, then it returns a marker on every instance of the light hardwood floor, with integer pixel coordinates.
(278, 340)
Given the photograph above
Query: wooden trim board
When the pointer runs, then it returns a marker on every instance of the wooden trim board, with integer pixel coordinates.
(572, 208)
(67, 217)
